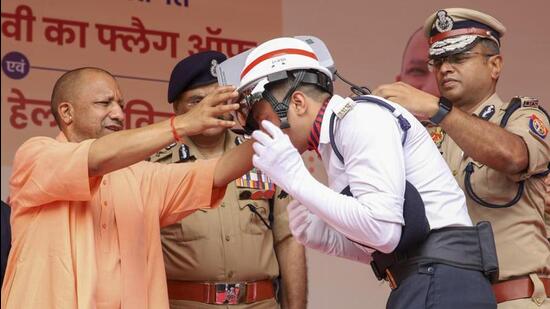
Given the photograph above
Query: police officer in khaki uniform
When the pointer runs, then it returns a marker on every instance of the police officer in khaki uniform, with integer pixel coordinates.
(498, 151)
(414, 71)
(230, 256)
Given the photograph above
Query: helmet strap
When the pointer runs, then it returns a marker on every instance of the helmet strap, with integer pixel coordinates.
(281, 107)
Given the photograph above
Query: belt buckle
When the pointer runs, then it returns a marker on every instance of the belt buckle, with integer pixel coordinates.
(229, 293)
(391, 279)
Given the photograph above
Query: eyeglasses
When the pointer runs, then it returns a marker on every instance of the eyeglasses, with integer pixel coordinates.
(456, 59)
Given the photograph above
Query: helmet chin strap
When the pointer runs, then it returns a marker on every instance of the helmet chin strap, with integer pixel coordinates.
(261, 91)
(281, 107)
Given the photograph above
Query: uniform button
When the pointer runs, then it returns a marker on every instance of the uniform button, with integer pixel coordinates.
(455, 172)
(222, 205)
(430, 269)
(104, 182)
(104, 203)
(104, 226)
(227, 237)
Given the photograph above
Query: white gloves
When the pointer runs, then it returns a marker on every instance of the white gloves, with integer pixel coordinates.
(314, 233)
(330, 217)
(278, 158)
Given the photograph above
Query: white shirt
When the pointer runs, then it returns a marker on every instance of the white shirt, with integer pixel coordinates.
(376, 168)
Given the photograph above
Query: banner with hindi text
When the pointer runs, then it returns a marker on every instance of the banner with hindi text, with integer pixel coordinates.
(139, 41)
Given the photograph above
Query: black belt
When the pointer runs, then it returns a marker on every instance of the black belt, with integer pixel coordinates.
(463, 247)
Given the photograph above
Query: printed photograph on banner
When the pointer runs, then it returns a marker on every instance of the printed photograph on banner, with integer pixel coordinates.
(138, 41)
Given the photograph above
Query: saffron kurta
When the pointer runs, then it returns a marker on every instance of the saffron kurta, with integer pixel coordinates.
(77, 239)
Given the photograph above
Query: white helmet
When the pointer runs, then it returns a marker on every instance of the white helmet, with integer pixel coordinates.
(277, 60)
(277, 55)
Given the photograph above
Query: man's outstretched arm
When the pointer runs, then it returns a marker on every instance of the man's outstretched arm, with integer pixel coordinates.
(124, 148)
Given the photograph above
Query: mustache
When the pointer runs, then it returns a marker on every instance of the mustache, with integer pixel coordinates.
(115, 122)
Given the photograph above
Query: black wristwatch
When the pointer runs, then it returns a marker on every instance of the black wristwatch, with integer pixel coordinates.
(445, 106)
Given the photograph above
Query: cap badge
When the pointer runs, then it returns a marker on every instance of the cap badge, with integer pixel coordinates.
(213, 65)
(444, 22)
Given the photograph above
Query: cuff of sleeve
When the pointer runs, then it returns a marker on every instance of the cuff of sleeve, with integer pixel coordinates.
(207, 196)
(84, 185)
(72, 176)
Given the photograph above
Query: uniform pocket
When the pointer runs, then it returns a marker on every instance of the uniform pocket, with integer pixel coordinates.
(491, 186)
(250, 222)
(192, 227)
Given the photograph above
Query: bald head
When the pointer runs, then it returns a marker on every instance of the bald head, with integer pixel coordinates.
(414, 42)
(414, 69)
(69, 85)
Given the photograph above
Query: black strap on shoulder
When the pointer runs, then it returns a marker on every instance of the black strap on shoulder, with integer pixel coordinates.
(514, 105)
(331, 137)
(416, 227)
(403, 122)
(270, 216)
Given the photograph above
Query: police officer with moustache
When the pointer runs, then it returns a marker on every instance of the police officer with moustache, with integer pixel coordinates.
(231, 256)
(498, 151)
(415, 72)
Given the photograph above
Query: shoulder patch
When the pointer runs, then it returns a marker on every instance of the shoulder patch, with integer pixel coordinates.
(537, 127)
(348, 105)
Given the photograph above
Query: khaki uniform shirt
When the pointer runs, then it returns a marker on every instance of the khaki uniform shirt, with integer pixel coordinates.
(547, 218)
(226, 244)
(520, 233)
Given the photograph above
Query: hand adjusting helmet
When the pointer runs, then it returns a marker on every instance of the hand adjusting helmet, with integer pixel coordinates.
(277, 60)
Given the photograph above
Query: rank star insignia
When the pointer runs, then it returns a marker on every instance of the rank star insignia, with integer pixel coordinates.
(537, 127)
